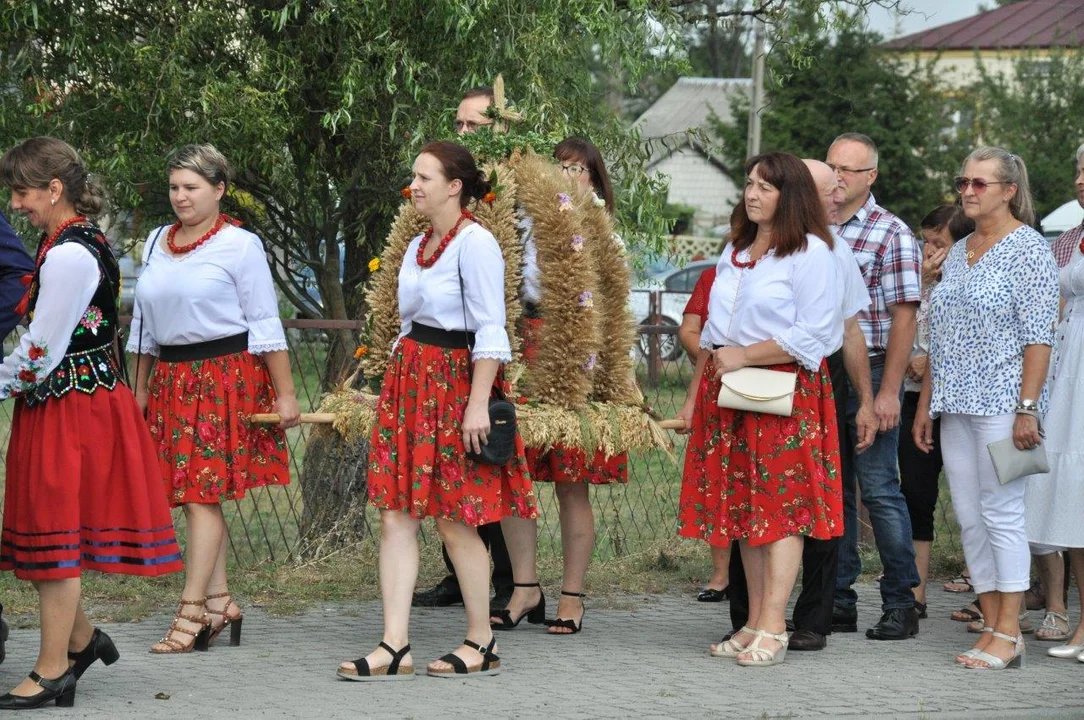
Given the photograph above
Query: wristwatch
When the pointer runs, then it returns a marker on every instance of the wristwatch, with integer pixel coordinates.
(1026, 407)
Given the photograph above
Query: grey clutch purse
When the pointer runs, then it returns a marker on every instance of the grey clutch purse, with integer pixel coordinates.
(1011, 464)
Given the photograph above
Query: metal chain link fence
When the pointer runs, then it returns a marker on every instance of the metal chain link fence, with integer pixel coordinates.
(275, 524)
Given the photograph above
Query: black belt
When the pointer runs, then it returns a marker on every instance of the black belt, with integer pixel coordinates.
(204, 350)
(531, 311)
(450, 339)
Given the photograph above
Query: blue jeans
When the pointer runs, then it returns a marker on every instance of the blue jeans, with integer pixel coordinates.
(878, 479)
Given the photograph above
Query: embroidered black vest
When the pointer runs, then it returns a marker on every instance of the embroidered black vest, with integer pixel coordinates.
(90, 361)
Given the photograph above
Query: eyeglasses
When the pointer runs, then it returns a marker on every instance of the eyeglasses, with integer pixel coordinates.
(573, 169)
(839, 169)
(977, 184)
(469, 125)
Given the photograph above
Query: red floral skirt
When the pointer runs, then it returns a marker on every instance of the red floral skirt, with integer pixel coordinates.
(84, 491)
(417, 462)
(758, 477)
(198, 414)
(561, 464)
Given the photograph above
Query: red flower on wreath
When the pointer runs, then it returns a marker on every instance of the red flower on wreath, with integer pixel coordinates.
(489, 197)
(36, 352)
(406, 193)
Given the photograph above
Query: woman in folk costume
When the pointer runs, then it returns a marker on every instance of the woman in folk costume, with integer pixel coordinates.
(434, 409)
(206, 319)
(766, 480)
(570, 469)
(83, 488)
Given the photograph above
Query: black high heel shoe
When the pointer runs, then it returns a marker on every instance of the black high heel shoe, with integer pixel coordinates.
(100, 647)
(535, 615)
(61, 689)
(570, 625)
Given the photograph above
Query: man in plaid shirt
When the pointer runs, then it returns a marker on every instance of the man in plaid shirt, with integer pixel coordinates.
(1068, 242)
(890, 262)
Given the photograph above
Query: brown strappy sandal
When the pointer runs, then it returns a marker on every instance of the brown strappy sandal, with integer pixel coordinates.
(234, 621)
(199, 639)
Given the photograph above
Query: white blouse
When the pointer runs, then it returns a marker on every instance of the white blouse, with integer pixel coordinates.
(792, 300)
(431, 296)
(221, 288)
(853, 294)
(69, 276)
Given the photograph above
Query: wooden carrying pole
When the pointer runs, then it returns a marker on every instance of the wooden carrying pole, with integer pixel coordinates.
(328, 418)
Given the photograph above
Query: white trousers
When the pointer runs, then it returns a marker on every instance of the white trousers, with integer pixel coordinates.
(991, 515)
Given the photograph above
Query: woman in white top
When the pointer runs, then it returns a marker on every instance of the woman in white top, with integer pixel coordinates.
(1055, 503)
(759, 479)
(433, 409)
(992, 322)
(206, 319)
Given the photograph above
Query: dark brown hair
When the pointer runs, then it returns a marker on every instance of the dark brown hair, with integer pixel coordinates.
(36, 162)
(798, 213)
(482, 91)
(458, 164)
(949, 216)
(577, 149)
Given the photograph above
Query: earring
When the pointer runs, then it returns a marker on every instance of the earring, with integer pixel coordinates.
(53, 201)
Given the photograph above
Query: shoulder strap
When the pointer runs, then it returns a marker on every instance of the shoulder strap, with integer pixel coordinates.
(143, 319)
(466, 331)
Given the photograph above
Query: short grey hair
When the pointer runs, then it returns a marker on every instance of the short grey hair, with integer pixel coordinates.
(1010, 169)
(205, 160)
(863, 140)
(1080, 155)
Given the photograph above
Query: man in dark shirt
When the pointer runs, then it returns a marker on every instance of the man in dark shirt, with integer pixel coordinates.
(14, 264)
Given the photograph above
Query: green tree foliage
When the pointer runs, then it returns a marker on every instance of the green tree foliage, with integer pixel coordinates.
(849, 85)
(319, 105)
(1036, 113)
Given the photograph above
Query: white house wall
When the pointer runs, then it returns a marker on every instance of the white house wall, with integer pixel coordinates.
(695, 181)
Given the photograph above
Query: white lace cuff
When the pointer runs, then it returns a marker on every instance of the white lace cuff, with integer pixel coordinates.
(498, 355)
(147, 347)
(491, 341)
(266, 336)
(804, 359)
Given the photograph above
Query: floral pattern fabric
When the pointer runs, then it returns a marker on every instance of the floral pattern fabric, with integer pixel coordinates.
(198, 415)
(981, 319)
(417, 463)
(760, 478)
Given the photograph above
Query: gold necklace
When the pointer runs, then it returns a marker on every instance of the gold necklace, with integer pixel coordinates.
(997, 233)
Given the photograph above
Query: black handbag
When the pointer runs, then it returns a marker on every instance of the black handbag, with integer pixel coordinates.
(500, 444)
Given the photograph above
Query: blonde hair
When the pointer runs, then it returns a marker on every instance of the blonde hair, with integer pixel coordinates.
(36, 162)
(205, 160)
(1010, 169)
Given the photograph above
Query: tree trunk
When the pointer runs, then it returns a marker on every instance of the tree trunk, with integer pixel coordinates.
(334, 494)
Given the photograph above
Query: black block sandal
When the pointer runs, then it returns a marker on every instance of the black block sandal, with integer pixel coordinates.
(570, 625)
(535, 615)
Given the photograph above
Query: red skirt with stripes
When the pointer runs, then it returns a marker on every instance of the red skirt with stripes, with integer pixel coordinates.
(417, 463)
(561, 464)
(84, 491)
(760, 478)
(198, 415)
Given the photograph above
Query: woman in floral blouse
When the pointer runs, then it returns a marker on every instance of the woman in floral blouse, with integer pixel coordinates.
(83, 488)
(206, 318)
(992, 323)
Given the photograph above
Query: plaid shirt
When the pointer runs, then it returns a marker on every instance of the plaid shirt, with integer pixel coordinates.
(1066, 245)
(891, 264)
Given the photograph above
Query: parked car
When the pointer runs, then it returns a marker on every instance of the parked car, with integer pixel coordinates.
(676, 286)
(1065, 217)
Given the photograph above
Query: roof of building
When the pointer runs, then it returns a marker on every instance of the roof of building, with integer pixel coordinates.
(1020, 25)
(687, 105)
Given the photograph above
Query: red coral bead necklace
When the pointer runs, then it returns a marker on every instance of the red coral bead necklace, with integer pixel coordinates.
(44, 247)
(171, 236)
(740, 264)
(422, 262)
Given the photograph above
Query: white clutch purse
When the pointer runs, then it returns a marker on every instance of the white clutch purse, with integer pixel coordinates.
(1011, 463)
(758, 390)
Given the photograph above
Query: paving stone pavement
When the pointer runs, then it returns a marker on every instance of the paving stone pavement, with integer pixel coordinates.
(648, 661)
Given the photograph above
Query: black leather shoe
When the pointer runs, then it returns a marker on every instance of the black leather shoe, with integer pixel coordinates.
(920, 608)
(807, 640)
(438, 596)
(4, 631)
(100, 647)
(61, 689)
(713, 595)
(898, 624)
(844, 620)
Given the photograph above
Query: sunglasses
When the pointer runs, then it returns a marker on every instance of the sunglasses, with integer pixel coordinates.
(977, 184)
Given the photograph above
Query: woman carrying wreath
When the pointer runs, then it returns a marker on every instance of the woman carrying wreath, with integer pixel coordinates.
(206, 319)
(570, 469)
(434, 409)
(82, 489)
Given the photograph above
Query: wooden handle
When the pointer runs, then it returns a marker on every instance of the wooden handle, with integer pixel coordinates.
(273, 418)
(674, 424)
